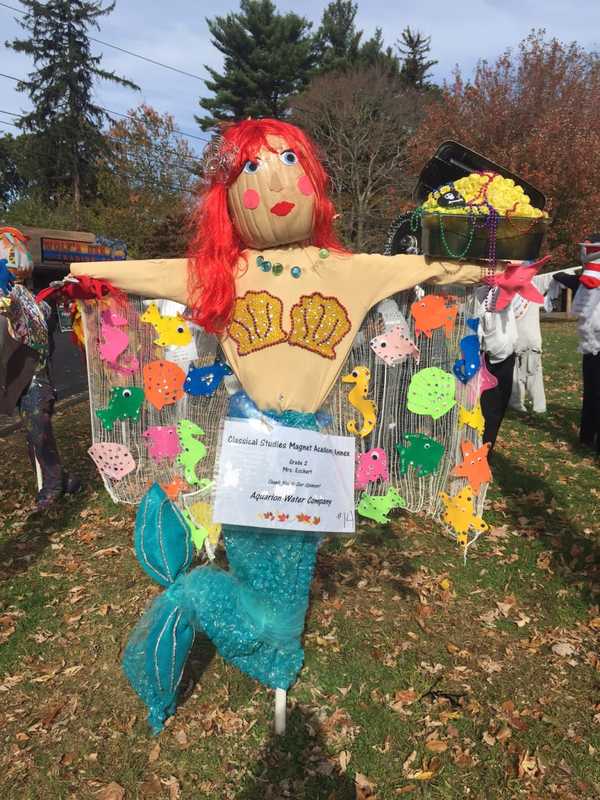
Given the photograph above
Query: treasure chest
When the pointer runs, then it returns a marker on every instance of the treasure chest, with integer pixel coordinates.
(502, 217)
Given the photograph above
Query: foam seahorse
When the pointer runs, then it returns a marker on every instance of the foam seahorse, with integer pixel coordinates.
(172, 331)
(192, 449)
(115, 342)
(358, 398)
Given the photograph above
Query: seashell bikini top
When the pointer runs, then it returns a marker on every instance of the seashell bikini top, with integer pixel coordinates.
(289, 336)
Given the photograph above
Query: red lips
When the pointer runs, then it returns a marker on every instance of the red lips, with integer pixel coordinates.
(282, 209)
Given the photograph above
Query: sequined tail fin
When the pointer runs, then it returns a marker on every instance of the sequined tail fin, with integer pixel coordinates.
(160, 643)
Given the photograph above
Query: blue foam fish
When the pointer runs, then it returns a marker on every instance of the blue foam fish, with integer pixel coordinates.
(7, 279)
(204, 381)
(467, 367)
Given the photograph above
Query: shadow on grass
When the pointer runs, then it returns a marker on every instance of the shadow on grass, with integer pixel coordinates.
(17, 553)
(295, 765)
(334, 565)
(577, 558)
(560, 422)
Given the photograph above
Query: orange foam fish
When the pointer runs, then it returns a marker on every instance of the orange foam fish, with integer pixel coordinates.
(474, 466)
(163, 383)
(434, 311)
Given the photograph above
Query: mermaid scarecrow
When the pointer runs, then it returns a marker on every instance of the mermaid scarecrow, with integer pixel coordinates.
(269, 278)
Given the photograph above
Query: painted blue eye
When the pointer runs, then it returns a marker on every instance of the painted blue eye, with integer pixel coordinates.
(251, 167)
(289, 157)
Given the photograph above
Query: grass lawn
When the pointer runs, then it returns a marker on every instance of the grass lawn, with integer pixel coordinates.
(423, 678)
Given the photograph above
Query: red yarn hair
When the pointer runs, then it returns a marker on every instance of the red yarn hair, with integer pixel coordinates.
(216, 249)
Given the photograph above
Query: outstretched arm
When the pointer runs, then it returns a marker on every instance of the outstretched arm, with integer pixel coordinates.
(155, 278)
(382, 276)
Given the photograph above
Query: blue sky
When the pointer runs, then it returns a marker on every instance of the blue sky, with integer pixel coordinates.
(176, 33)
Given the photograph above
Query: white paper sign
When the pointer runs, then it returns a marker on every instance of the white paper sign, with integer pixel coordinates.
(272, 476)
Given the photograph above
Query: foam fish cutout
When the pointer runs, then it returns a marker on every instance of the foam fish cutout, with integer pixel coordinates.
(7, 279)
(171, 331)
(163, 383)
(516, 279)
(125, 403)
(192, 449)
(358, 398)
(421, 452)
(474, 466)
(467, 367)
(473, 418)
(371, 466)
(432, 312)
(377, 508)
(115, 342)
(459, 514)
(112, 459)
(486, 381)
(394, 346)
(202, 515)
(431, 392)
(162, 441)
(174, 488)
(204, 381)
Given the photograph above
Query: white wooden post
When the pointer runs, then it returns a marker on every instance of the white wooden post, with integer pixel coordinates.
(38, 474)
(280, 711)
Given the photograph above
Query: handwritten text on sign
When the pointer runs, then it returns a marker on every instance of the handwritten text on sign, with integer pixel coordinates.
(284, 478)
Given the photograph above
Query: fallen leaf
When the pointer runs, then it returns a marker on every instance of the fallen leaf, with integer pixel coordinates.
(344, 760)
(174, 787)
(563, 649)
(422, 775)
(181, 738)
(111, 792)
(364, 789)
(154, 753)
(436, 746)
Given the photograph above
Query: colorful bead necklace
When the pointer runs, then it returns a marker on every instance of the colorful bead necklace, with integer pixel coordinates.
(277, 268)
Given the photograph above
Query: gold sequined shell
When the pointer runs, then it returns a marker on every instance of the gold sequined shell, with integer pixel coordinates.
(257, 322)
(319, 323)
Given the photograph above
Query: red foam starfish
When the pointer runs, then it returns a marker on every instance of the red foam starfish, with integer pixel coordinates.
(516, 279)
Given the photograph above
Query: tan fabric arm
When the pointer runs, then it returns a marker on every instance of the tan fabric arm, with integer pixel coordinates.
(156, 278)
(381, 276)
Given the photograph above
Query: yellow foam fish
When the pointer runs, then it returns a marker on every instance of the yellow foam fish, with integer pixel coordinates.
(459, 514)
(202, 515)
(172, 331)
(473, 418)
(357, 397)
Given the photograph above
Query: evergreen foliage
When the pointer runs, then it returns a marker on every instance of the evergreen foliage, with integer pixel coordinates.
(65, 123)
(416, 66)
(268, 57)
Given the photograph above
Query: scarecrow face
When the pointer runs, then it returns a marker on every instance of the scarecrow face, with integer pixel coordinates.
(272, 200)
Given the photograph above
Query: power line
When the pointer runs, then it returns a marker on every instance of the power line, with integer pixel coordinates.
(123, 50)
(117, 113)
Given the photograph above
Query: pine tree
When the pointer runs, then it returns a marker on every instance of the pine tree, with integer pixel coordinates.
(414, 49)
(268, 57)
(337, 39)
(338, 42)
(66, 125)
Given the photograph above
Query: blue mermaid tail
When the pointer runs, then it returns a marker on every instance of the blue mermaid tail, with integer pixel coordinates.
(253, 613)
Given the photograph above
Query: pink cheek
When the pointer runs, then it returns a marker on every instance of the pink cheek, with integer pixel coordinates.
(305, 185)
(251, 199)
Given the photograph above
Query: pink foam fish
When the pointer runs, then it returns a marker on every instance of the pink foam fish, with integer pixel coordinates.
(371, 466)
(162, 441)
(486, 381)
(395, 346)
(112, 459)
(115, 342)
